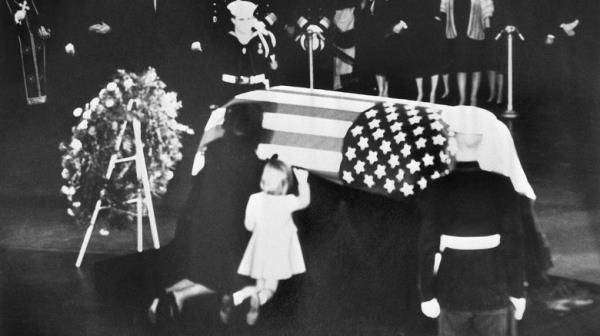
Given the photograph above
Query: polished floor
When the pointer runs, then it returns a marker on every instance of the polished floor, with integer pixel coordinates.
(42, 293)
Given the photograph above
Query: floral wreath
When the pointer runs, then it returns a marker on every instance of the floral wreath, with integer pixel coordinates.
(94, 140)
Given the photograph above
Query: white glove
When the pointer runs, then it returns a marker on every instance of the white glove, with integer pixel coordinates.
(196, 46)
(70, 49)
(198, 164)
(314, 29)
(399, 27)
(569, 28)
(301, 175)
(431, 308)
(100, 28)
(519, 304)
(44, 33)
(20, 15)
(549, 39)
(259, 26)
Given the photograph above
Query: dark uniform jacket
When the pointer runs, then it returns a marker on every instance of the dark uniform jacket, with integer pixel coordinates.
(471, 202)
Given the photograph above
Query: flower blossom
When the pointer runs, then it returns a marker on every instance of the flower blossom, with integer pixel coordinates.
(112, 87)
(76, 144)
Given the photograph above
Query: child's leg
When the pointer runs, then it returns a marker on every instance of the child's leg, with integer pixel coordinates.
(266, 292)
(243, 294)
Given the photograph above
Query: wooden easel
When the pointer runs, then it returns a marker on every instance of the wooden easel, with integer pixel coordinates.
(144, 196)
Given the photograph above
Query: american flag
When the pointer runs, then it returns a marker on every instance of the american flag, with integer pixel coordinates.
(395, 149)
(313, 129)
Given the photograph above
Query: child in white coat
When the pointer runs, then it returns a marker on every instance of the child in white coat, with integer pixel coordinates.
(273, 252)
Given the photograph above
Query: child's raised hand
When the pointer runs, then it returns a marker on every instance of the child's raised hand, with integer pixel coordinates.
(301, 174)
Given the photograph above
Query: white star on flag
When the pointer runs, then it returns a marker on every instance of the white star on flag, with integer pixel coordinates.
(389, 185)
(394, 161)
(351, 153)
(406, 150)
(428, 160)
(363, 143)
(348, 177)
(439, 140)
(400, 137)
(437, 125)
(378, 134)
(392, 116)
(414, 120)
(357, 130)
(371, 113)
(434, 115)
(393, 152)
(413, 166)
(380, 171)
(422, 183)
(397, 126)
(411, 110)
(407, 189)
(400, 175)
(435, 175)
(385, 147)
(372, 157)
(374, 123)
(421, 143)
(369, 181)
(359, 167)
(389, 107)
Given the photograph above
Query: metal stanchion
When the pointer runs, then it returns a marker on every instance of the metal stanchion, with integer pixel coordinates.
(311, 65)
(510, 112)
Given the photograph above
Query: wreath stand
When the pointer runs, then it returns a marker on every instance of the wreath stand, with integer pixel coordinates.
(144, 196)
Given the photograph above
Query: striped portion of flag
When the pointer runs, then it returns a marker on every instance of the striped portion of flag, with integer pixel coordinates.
(306, 128)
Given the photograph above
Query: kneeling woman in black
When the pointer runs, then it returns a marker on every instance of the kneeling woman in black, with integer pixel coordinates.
(210, 237)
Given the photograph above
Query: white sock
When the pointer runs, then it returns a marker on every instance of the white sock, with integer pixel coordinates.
(242, 294)
(264, 296)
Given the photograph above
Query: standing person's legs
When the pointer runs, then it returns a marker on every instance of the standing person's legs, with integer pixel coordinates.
(434, 85)
(382, 85)
(446, 81)
(461, 79)
(419, 82)
(499, 87)
(493, 322)
(492, 84)
(475, 82)
(454, 323)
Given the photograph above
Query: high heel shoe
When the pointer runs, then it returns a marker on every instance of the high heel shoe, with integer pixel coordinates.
(167, 311)
(226, 308)
(151, 313)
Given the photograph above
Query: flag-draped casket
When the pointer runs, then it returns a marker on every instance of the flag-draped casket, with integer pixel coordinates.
(359, 235)
(388, 146)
